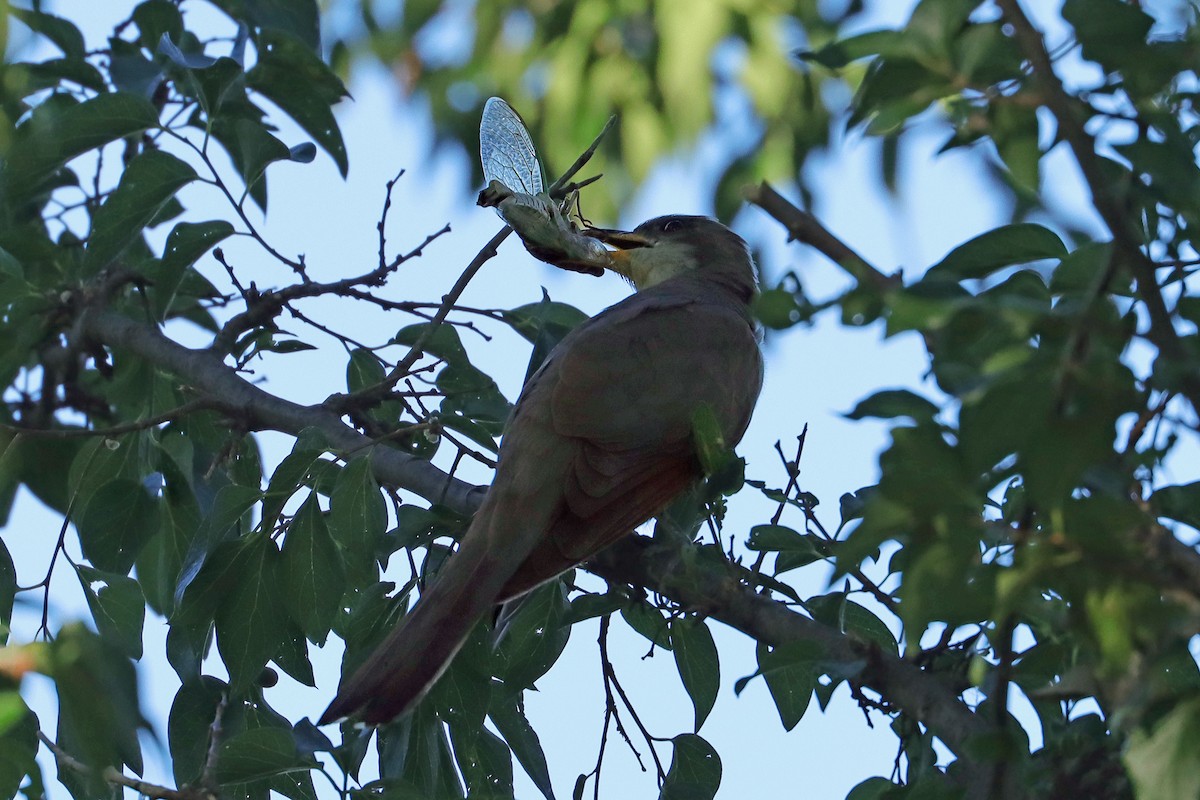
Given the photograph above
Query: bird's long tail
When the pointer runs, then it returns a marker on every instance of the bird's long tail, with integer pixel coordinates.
(418, 650)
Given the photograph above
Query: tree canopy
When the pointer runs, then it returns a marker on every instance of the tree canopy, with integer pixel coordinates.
(1032, 533)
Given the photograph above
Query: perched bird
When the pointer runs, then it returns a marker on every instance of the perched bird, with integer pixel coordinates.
(599, 441)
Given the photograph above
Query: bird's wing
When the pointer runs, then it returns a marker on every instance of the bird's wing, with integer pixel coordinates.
(625, 391)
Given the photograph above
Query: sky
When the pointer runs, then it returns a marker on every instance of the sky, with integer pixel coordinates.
(814, 375)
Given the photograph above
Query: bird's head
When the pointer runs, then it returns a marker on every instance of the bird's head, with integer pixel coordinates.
(664, 247)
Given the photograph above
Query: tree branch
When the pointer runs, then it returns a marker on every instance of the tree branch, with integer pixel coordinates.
(229, 392)
(720, 595)
(118, 778)
(1108, 201)
(804, 227)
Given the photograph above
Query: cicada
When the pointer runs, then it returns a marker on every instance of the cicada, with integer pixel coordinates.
(514, 188)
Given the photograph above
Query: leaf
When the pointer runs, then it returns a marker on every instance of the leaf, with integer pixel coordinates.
(1001, 247)
(120, 517)
(648, 621)
(363, 371)
(8, 591)
(892, 403)
(1112, 33)
(522, 739)
(1180, 503)
(186, 243)
(18, 749)
(53, 135)
(695, 772)
(248, 620)
(186, 60)
(358, 514)
(1164, 762)
(849, 617)
(149, 181)
(535, 637)
(698, 664)
(300, 83)
(313, 576)
(118, 607)
(191, 716)
(443, 342)
(791, 674)
(63, 33)
(259, 753)
(299, 18)
(781, 539)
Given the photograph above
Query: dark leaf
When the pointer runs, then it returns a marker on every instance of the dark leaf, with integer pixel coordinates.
(186, 60)
(117, 606)
(695, 772)
(791, 672)
(249, 619)
(698, 663)
(120, 517)
(259, 753)
(149, 181)
(313, 576)
(892, 403)
(300, 83)
(54, 134)
(1001, 247)
(506, 714)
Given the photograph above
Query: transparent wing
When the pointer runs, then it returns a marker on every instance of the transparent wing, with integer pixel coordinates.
(506, 149)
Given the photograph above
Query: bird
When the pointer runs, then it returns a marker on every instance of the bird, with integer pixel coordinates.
(599, 441)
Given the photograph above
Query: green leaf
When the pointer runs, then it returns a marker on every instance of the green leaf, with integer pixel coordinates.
(998, 248)
(847, 616)
(8, 591)
(698, 664)
(120, 517)
(313, 576)
(363, 370)
(149, 181)
(55, 134)
(648, 621)
(444, 342)
(791, 672)
(63, 33)
(299, 18)
(259, 753)
(1112, 33)
(781, 539)
(99, 716)
(892, 403)
(543, 324)
(506, 714)
(117, 606)
(587, 606)
(18, 748)
(695, 772)
(249, 619)
(535, 637)
(191, 717)
(296, 80)
(358, 514)
(1180, 503)
(708, 440)
(1165, 761)
(186, 243)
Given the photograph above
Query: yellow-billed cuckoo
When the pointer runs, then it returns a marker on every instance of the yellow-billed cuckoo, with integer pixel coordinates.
(599, 441)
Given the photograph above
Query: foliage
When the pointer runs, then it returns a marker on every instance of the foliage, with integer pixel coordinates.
(1022, 538)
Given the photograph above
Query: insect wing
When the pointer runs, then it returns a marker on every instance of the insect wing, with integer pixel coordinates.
(506, 149)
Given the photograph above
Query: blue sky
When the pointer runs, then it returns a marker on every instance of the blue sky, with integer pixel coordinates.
(814, 375)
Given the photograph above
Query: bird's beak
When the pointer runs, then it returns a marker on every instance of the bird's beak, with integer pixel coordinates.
(622, 240)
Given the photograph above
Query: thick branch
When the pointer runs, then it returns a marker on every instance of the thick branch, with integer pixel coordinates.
(206, 372)
(720, 595)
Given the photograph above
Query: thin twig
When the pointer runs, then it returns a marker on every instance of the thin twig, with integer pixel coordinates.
(117, 778)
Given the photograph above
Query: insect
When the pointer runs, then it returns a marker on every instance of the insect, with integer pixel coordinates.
(515, 189)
